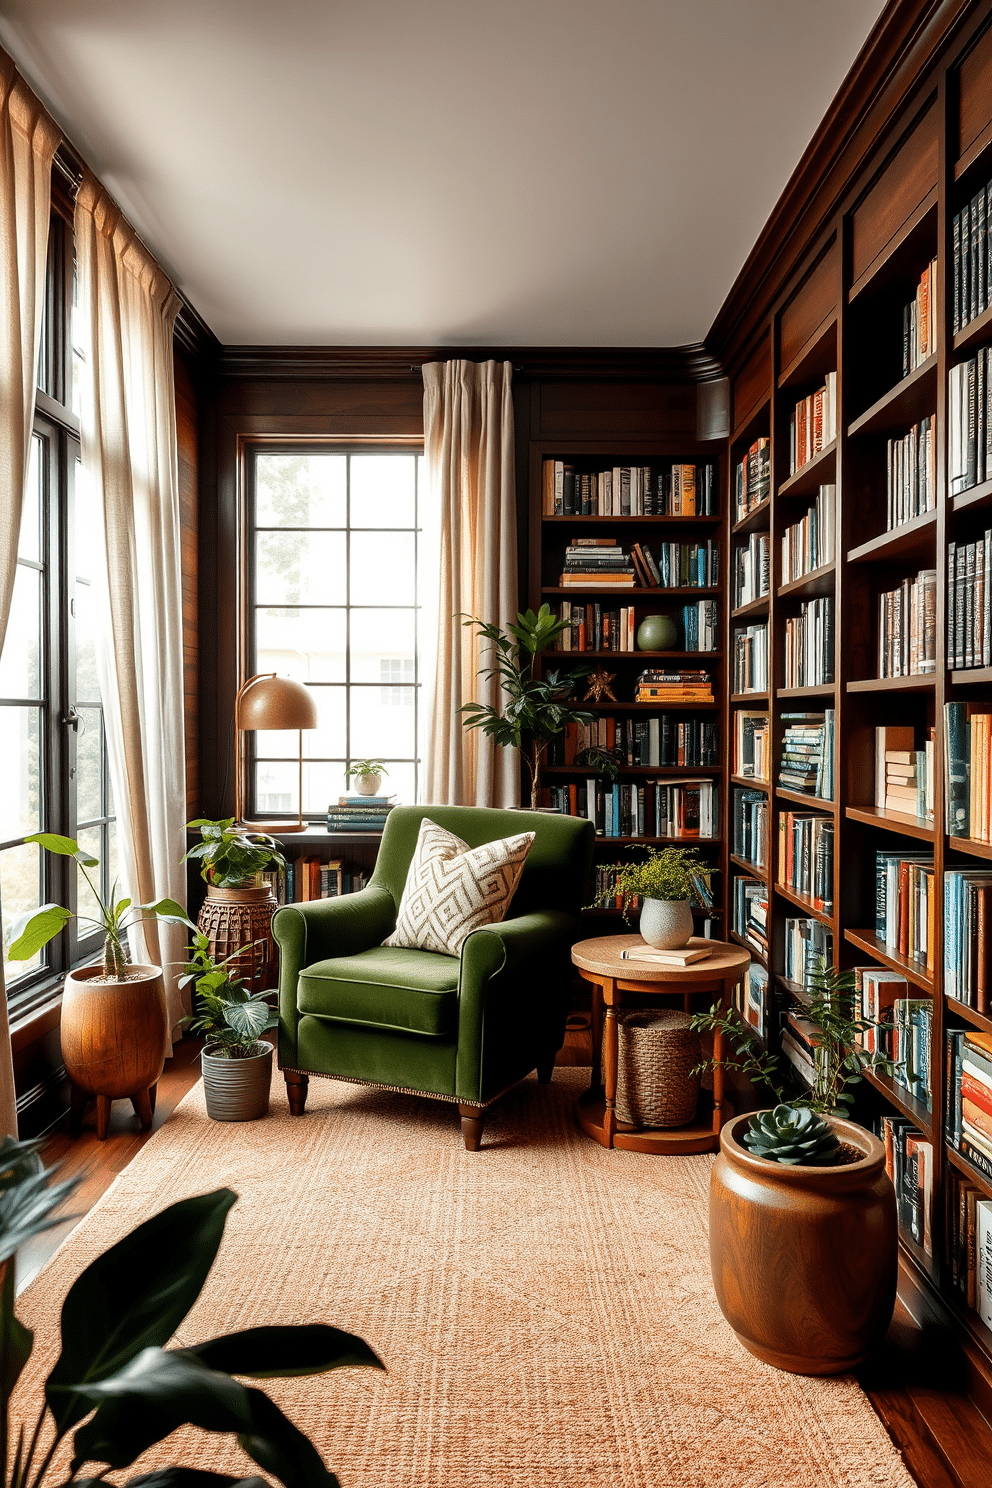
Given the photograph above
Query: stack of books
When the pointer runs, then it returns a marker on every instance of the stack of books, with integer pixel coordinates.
(911, 483)
(806, 945)
(750, 826)
(907, 627)
(903, 773)
(359, 813)
(972, 260)
(969, 1096)
(629, 491)
(809, 644)
(751, 913)
(901, 1025)
(970, 1243)
(751, 658)
(751, 744)
(969, 422)
(967, 936)
(919, 321)
(814, 424)
(806, 857)
(592, 627)
(808, 753)
(590, 561)
(752, 479)
(969, 602)
(674, 687)
(809, 543)
(909, 1164)
(752, 569)
(905, 904)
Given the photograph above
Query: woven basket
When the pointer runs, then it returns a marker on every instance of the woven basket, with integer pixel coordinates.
(232, 918)
(657, 1051)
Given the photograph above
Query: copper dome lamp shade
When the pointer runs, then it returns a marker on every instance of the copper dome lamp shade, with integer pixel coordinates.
(267, 701)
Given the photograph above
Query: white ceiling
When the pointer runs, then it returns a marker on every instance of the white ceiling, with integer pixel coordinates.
(452, 172)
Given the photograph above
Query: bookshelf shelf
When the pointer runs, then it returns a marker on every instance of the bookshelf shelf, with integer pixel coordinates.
(647, 772)
(754, 520)
(975, 333)
(806, 904)
(749, 697)
(815, 358)
(909, 539)
(978, 1178)
(910, 236)
(969, 1014)
(820, 690)
(612, 707)
(820, 471)
(792, 988)
(818, 581)
(891, 821)
(755, 607)
(903, 1101)
(903, 405)
(971, 676)
(631, 655)
(868, 941)
(893, 684)
(974, 846)
(611, 591)
(696, 841)
(682, 520)
(799, 798)
(748, 945)
(749, 783)
(980, 495)
(753, 870)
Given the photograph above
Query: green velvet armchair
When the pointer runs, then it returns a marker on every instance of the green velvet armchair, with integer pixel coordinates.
(462, 1028)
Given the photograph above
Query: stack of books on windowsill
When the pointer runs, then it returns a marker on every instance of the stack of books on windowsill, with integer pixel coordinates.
(674, 687)
(359, 813)
(600, 560)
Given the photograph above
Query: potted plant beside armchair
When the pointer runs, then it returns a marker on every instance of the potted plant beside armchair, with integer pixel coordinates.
(237, 912)
(236, 1060)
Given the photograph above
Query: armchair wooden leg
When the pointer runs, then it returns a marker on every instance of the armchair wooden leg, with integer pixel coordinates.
(545, 1069)
(472, 1118)
(297, 1086)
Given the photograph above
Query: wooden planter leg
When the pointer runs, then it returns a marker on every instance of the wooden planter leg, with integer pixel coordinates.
(142, 1103)
(297, 1086)
(472, 1119)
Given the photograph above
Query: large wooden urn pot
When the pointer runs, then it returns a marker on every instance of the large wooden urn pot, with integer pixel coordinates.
(114, 1039)
(804, 1258)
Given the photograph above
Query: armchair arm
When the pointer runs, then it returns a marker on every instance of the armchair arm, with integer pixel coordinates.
(317, 930)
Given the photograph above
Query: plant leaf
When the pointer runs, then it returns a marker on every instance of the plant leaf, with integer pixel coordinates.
(275, 1352)
(16, 1341)
(64, 846)
(177, 1477)
(27, 1197)
(281, 1448)
(36, 929)
(134, 1296)
(166, 909)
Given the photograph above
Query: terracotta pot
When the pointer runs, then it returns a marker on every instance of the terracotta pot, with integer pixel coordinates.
(114, 1038)
(666, 924)
(237, 1089)
(804, 1258)
(231, 918)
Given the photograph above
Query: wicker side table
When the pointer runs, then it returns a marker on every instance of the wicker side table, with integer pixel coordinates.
(613, 979)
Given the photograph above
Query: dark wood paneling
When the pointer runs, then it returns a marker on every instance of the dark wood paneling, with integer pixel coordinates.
(815, 300)
(975, 93)
(309, 364)
(909, 177)
(753, 382)
(624, 410)
(187, 441)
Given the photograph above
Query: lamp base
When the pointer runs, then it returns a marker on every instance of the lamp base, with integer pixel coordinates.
(274, 828)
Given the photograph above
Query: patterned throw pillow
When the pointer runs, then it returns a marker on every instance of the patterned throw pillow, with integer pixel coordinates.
(452, 889)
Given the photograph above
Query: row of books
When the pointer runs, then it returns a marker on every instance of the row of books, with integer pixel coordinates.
(309, 878)
(901, 1023)
(809, 644)
(752, 479)
(909, 1164)
(903, 773)
(969, 1243)
(802, 1047)
(700, 896)
(809, 543)
(700, 626)
(750, 913)
(969, 422)
(654, 808)
(752, 743)
(806, 857)
(806, 944)
(750, 827)
(590, 562)
(594, 627)
(752, 569)
(674, 565)
(968, 771)
(905, 904)
(911, 474)
(692, 685)
(968, 936)
(813, 425)
(807, 762)
(359, 813)
(972, 270)
(969, 1096)
(919, 321)
(666, 740)
(969, 603)
(751, 658)
(629, 490)
(907, 627)
(751, 999)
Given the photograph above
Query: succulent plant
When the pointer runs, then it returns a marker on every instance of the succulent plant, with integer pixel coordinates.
(792, 1134)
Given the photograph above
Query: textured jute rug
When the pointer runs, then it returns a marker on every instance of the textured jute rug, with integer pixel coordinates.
(544, 1306)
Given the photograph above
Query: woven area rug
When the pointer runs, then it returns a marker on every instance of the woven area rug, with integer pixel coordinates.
(543, 1306)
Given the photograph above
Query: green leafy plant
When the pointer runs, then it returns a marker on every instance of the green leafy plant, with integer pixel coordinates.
(117, 1386)
(534, 709)
(791, 1135)
(664, 873)
(231, 1019)
(115, 918)
(840, 1059)
(230, 857)
(365, 767)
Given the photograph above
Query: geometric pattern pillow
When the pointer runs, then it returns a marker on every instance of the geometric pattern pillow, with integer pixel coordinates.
(452, 889)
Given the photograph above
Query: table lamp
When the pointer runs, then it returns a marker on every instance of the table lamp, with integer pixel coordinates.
(270, 702)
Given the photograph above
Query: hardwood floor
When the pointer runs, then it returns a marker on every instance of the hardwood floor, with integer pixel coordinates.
(913, 1382)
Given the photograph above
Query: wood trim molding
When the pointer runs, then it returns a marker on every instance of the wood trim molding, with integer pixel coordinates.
(194, 336)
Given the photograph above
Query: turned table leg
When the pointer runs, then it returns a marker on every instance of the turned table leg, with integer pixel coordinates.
(610, 1062)
(297, 1086)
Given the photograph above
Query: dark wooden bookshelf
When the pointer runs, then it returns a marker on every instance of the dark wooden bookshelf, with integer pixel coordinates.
(910, 539)
(892, 821)
(820, 471)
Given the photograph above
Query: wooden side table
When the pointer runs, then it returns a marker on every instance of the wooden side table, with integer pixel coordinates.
(613, 978)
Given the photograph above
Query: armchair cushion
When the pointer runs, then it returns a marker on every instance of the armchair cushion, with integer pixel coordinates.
(407, 991)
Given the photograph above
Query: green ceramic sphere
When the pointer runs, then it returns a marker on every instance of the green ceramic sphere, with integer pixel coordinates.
(657, 633)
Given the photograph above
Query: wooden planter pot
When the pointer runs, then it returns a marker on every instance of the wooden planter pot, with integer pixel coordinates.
(231, 918)
(804, 1258)
(114, 1040)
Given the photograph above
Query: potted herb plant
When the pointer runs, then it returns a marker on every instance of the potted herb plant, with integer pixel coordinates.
(98, 1002)
(802, 1213)
(238, 909)
(236, 1060)
(664, 880)
(534, 710)
(367, 775)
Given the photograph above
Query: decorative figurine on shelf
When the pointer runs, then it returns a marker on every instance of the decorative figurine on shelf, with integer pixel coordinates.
(599, 689)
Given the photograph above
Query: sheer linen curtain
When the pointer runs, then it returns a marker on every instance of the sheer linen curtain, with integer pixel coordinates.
(28, 141)
(129, 453)
(468, 443)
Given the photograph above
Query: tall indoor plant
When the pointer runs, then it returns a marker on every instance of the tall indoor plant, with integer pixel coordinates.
(534, 709)
(237, 912)
(98, 1002)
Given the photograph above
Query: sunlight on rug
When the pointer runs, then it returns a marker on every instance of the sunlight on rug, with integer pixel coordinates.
(543, 1306)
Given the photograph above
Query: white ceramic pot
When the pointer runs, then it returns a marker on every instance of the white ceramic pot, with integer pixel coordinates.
(666, 924)
(367, 785)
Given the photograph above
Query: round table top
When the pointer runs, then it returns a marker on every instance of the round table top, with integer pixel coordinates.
(602, 956)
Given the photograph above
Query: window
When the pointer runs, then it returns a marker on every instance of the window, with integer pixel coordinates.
(333, 602)
(53, 751)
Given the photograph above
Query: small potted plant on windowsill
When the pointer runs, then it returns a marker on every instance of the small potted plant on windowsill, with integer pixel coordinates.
(367, 775)
(664, 881)
(239, 906)
(236, 1060)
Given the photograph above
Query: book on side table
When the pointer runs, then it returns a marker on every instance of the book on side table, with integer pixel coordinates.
(684, 957)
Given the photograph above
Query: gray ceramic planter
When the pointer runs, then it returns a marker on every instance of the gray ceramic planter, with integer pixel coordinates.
(237, 1089)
